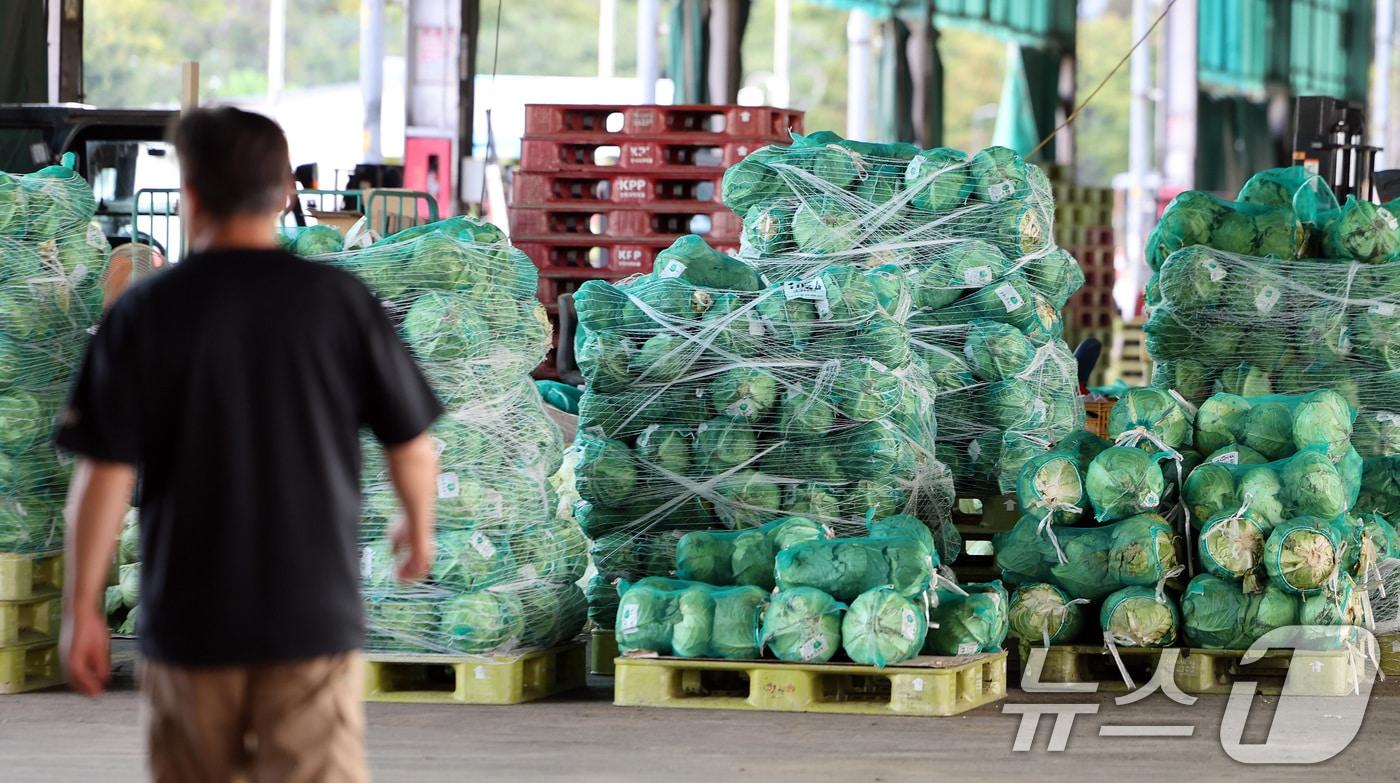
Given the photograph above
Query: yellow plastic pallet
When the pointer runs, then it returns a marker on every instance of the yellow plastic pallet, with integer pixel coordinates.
(1390, 653)
(602, 649)
(34, 621)
(927, 686)
(30, 667)
(1322, 673)
(468, 679)
(26, 576)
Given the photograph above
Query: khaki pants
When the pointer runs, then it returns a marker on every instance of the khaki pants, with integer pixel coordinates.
(296, 721)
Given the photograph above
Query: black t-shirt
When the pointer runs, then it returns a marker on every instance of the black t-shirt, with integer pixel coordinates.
(238, 382)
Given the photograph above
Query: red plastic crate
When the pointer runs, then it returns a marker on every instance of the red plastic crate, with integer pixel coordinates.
(597, 257)
(576, 122)
(531, 189)
(633, 154)
(710, 221)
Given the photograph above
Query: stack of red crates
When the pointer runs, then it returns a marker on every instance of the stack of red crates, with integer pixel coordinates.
(602, 189)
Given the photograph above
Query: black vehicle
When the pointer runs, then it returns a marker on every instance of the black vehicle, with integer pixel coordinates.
(119, 151)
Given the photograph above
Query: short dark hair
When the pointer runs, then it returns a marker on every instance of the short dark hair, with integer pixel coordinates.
(236, 162)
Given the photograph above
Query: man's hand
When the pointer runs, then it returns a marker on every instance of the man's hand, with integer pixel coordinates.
(413, 467)
(85, 651)
(413, 552)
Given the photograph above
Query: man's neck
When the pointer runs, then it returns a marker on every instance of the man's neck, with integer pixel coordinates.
(240, 232)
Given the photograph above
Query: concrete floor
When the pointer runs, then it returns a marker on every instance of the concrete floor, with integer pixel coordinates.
(59, 736)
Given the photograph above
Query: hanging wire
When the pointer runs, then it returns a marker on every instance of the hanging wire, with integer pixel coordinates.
(1075, 114)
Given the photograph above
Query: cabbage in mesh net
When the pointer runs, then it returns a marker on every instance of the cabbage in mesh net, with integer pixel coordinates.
(883, 627)
(1140, 617)
(1042, 614)
(802, 624)
(967, 624)
(1302, 554)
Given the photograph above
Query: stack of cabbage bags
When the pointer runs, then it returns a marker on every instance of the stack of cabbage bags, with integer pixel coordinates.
(789, 589)
(51, 261)
(1282, 538)
(121, 600)
(505, 573)
(960, 248)
(1101, 525)
(1267, 489)
(1282, 292)
(719, 398)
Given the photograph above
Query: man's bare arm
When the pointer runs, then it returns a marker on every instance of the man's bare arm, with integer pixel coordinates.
(413, 467)
(97, 501)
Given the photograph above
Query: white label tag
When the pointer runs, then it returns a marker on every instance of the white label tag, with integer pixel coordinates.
(974, 450)
(811, 649)
(1266, 299)
(479, 672)
(1010, 299)
(448, 486)
(755, 327)
(482, 544)
(977, 276)
(1217, 272)
(627, 619)
(671, 268)
(1388, 219)
(967, 648)
(1383, 308)
(1001, 191)
(1228, 458)
(918, 684)
(367, 563)
(814, 290)
(908, 626)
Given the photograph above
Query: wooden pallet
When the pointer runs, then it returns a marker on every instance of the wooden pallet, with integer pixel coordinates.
(33, 621)
(926, 686)
(469, 679)
(30, 667)
(1323, 673)
(1096, 416)
(29, 575)
(602, 650)
(1127, 357)
(977, 520)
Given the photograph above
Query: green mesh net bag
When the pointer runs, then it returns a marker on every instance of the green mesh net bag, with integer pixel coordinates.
(690, 619)
(847, 567)
(1043, 614)
(882, 627)
(1139, 617)
(1231, 546)
(742, 557)
(1304, 484)
(1088, 562)
(1122, 482)
(1218, 614)
(802, 624)
(1302, 554)
(973, 618)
